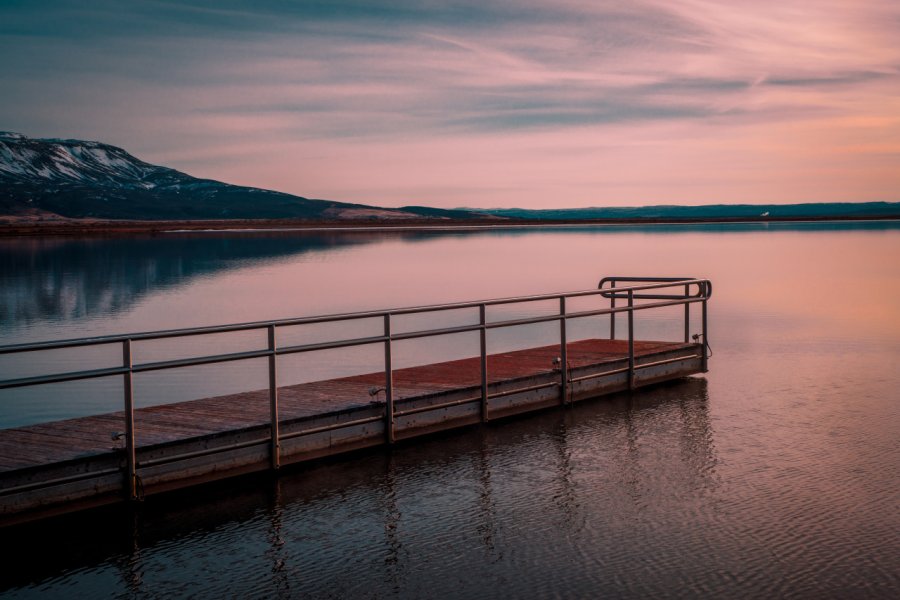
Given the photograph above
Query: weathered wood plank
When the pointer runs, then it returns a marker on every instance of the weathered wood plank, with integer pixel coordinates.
(174, 440)
(65, 440)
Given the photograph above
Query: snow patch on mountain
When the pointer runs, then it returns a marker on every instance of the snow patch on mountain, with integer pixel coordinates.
(71, 161)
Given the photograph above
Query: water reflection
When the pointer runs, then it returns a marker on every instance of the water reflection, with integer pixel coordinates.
(395, 559)
(382, 514)
(565, 495)
(783, 483)
(130, 564)
(276, 552)
(68, 279)
(64, 279)
(785, 294)
(487, 507)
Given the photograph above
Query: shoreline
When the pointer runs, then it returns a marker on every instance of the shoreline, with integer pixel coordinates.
(76, 228)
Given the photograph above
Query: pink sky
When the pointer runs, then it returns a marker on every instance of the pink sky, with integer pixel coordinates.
(492, 104)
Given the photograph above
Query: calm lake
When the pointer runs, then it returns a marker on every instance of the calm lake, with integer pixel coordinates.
(776, 474)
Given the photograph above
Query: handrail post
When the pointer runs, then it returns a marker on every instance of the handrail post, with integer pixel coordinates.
(388, 382)
(130, 460)
(704, 358)
(275, 446)
(687, 314)
(564, 352)
(482, 319)
(612, 315)
(631, 339)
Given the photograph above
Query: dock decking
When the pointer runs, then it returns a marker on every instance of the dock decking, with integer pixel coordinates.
(68, 465)
(186, 443)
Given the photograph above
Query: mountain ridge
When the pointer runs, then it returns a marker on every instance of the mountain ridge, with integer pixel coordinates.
(816, 210)
(55, 178)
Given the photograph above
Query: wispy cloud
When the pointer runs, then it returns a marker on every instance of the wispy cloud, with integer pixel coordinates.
(491, 102)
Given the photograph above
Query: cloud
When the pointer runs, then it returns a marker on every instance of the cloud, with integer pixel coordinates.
(247, 91)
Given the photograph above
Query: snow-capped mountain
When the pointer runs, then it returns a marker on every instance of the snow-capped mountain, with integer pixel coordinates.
(81, 179)
(74, 161)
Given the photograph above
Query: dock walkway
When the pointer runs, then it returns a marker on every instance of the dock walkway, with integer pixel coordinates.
(67, 465)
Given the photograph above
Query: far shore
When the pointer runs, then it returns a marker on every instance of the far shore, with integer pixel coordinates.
(77, 227)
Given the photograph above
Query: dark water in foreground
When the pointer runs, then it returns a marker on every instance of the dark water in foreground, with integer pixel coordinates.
(775, 475)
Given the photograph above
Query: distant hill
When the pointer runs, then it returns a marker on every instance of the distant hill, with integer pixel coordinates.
(711, 211)
(57, 179)
(76, 179)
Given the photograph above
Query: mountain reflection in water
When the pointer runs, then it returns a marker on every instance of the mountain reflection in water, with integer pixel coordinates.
(62, 279)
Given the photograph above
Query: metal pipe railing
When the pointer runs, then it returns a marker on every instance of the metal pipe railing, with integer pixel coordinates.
(193, 331)
(644, 291)
(249, 354)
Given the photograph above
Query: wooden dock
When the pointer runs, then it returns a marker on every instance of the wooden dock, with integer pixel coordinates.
(67, 465)
(197, 441)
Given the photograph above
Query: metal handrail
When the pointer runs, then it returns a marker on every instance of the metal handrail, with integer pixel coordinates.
(704, 288)
(192, 331)
(631, 293)
(248, 354)
(704, 291)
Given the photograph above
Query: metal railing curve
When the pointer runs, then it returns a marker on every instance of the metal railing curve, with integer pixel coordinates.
(658, 290)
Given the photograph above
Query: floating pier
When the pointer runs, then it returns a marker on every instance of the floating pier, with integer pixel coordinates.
(68, 465)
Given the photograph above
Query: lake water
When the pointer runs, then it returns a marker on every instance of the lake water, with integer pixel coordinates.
(777, 474)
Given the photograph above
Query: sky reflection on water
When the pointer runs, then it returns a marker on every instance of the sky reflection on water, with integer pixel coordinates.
(775, 475)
